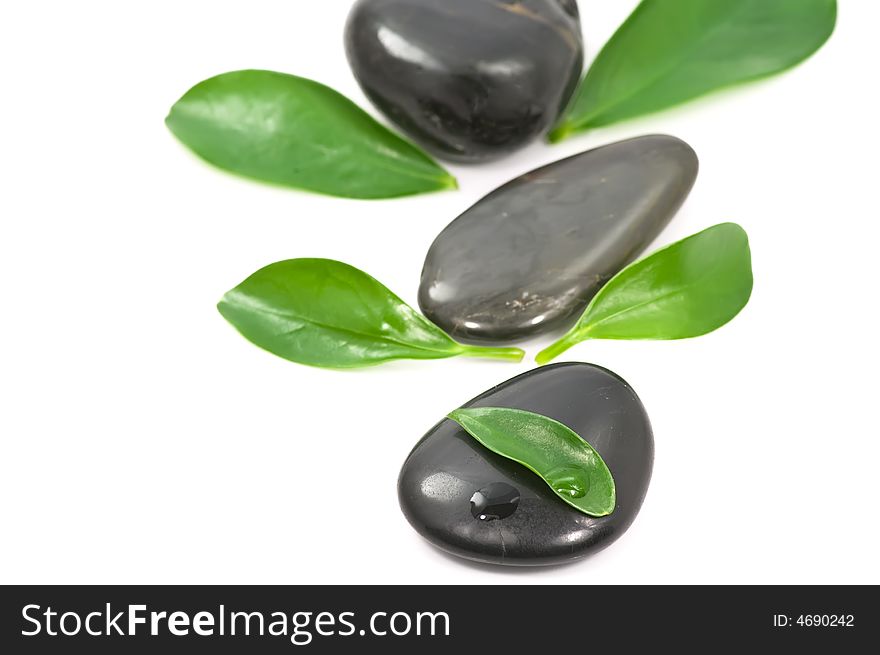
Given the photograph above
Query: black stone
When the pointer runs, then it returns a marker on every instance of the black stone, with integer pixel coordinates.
(470, 80)
(528, 257)
(528, 524)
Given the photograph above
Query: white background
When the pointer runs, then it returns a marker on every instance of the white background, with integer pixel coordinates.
(144, 441)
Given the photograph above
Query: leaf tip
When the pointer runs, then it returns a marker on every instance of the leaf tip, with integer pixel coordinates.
(169, 120)
(506, 354)
(612, 498)
(454, 415)
(553, 351)
(450, 182)
(561, 132)
(223, 307)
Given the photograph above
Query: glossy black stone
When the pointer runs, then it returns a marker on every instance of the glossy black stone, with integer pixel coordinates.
(447, 468)
(470, 80)
(528, 257)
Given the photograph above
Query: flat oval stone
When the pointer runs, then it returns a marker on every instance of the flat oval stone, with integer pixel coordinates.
(470, 80)
(528, 257)
(471, 502)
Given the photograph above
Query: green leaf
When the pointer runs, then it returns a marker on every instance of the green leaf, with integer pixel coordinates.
(567, 463)
(294, 132)
(689, 288)
(325, 313)
(671, 51)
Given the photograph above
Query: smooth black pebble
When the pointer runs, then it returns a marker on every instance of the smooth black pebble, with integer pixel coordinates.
(527, 258)
(470, 80)
(473, 503)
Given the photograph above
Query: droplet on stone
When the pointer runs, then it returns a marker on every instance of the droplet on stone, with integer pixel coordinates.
(497, 500)
(470, 80)
(527, 258)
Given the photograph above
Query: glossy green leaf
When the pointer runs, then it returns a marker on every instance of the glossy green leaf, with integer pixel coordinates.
(689, 288)
(294, 132)
(325, 313)
(567, 463)
(670, 51)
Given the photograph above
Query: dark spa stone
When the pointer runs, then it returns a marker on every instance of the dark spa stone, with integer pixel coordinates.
(470, 80)
(470, 502)
(528, 257)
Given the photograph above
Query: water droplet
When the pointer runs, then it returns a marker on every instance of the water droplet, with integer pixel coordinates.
(569, 481)
(494, 501)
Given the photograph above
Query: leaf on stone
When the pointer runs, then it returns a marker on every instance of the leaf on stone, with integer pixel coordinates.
(566, 462)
